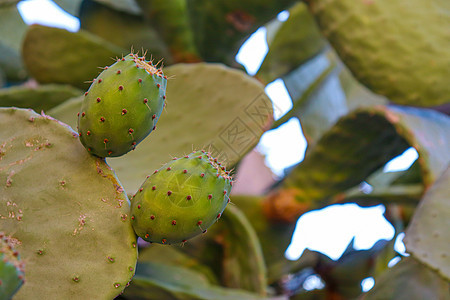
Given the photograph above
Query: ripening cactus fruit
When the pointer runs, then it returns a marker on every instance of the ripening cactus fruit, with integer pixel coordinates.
(121, 106)
(11, 269)
(181, 199)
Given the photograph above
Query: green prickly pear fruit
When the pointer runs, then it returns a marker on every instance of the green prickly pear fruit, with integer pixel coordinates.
(11, 268)
(181, 199)
(121, 106)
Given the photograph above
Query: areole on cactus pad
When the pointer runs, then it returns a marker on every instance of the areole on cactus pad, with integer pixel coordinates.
(181, 199)
(122, 106)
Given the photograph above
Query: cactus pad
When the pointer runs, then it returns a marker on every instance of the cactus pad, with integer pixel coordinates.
(398, 49)
(66, 210)
(11, 268)
(427, 237)
(181, 199)
(55, 55)
(122, 106)
(42, 97)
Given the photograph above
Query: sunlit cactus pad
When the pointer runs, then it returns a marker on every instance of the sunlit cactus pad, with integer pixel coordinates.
(122, 106)
(65, 210)
(181, 199)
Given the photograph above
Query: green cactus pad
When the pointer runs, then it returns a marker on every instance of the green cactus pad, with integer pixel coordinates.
(11, 268)
(182, 199)
(54, 55)
(42, 97)
(428, 236)
(243, 263)
(398, 49)
(66, 209)
(122, 106)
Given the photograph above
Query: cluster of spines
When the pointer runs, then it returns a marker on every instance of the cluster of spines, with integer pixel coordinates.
(221, 172)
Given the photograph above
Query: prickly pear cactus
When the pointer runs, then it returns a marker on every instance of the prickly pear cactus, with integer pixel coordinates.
(11, 268)
(181, 199)
(122, 106)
